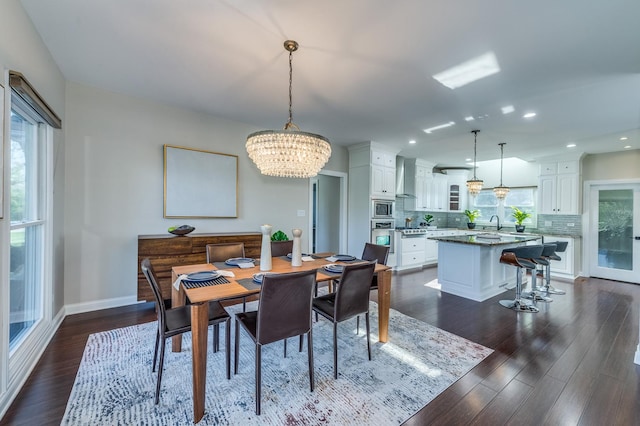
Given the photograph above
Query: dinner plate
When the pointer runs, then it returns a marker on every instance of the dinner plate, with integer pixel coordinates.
(203, 276)
(235, 261)
(259, 276)
(344, 257)
(332, 267)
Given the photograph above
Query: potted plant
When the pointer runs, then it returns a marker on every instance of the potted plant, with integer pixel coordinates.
(428, 219)
(520, 216)
(279, 236)
(472, 215)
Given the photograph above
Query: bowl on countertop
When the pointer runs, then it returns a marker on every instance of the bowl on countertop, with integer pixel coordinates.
(182, 230)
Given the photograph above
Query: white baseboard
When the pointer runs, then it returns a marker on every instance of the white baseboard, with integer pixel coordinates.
(96, 305)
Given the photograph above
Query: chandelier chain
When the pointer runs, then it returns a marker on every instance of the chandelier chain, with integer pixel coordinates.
(290, 122)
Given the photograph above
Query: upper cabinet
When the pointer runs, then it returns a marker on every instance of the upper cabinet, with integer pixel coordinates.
(559, 188)
(457, 194)
(383, 174)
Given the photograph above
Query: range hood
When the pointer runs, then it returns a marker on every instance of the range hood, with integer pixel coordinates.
(405, 185)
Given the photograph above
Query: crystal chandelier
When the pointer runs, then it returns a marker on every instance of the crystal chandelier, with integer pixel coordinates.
(501, 191)
(474, 185)
(289, 152)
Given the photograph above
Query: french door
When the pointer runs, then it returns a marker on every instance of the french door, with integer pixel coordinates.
(615, 232)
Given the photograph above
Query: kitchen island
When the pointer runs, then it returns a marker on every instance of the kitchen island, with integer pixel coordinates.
(469, 265)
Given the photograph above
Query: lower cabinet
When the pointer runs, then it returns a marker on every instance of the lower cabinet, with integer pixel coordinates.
(412, 252)
(431, 252)
(568, 267)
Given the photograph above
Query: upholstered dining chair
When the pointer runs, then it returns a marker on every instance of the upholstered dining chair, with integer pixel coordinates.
(350, 299)
(284, 311)
(224, 251)
(281, 248)
(174, 321)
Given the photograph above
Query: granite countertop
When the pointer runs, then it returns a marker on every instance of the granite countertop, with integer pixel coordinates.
(487, 239)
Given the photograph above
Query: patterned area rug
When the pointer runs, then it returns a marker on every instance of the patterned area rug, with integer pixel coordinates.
(115, 385)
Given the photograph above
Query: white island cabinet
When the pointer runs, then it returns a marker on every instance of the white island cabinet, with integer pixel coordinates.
(469, 265)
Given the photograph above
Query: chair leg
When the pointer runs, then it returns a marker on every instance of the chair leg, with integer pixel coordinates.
(155, 352)
(160, 367)
(366, 316)
(310, 355)
(236, 348)
(227, 343)
(335, 350)
(258, 377)
(244, 304)
(301, 342)
(285, 348)
(358, 324)
(216, 336)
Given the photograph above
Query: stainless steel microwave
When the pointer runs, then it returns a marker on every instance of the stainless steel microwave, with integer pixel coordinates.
(382, 209)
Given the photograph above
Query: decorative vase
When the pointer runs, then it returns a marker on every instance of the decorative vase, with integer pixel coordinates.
(519, 228)
(471, 225)
(265, 251)
(296, 253)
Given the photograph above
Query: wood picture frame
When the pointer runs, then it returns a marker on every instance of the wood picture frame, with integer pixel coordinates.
(199, 183)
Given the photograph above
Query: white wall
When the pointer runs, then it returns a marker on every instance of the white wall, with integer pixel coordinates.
(612, 165)
(114, 186)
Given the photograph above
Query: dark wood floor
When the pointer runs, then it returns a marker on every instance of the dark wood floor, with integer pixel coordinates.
(570, 364)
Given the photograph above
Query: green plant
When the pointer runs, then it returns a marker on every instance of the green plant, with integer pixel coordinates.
(279, 236)
(472, 215)
(519, 215)
(428, 218)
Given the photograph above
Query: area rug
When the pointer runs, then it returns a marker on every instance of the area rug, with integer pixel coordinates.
(115, 385)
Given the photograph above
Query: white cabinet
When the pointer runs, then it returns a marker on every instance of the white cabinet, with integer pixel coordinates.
(431, 251)
(418, 183)
(412, 251)
(457, 194)
(439, 194)
(558, 189)
(568, 267)
(383, 175)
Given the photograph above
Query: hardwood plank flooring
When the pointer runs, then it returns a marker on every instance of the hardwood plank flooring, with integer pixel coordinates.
(569, 364)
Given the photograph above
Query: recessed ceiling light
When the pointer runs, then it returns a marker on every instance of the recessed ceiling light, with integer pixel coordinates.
(440, 126)
(627, 147)
(529, 115)
(508, 109)
(571, 145)
(469, 118)
(412, 142)
(469, 71)
(624, 138)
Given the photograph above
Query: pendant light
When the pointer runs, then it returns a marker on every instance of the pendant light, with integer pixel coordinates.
(289, 152)
(474, 185)
(501, 191)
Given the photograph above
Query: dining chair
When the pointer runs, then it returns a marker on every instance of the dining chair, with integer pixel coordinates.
(350, 299)
(174, 321)
(224, 251)
(284, 311)
(281, 248)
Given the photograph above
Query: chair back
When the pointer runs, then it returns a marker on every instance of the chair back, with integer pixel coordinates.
(281, 248)
(352, 295)
(375, 252)
(284, 309)
(150, 275)
(561, 246)
(526, 252)
(224, 251)
(549, 249)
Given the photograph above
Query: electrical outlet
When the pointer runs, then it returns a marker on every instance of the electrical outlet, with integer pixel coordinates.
(301, 213)
(571, 224)
(548, 223)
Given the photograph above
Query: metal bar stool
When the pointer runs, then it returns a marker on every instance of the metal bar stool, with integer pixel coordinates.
(520, 257)
(536, 292)
(561, 247)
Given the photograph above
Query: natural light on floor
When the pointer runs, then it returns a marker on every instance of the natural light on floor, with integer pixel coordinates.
(408, 359)
(433, 284)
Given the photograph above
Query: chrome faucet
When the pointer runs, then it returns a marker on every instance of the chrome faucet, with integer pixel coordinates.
(498, 227)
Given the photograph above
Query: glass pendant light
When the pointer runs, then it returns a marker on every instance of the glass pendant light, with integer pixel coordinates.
(289, 152)
(501, 191)
(474, 185)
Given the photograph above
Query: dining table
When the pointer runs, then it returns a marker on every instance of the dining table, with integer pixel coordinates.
(241, 285)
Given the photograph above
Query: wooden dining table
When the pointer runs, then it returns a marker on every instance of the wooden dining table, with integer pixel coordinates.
(200, 298)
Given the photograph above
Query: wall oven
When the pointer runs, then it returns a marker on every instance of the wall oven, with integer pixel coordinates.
(382, 233)
(382, 209)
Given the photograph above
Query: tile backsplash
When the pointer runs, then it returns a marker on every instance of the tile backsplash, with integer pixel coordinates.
(560, 224)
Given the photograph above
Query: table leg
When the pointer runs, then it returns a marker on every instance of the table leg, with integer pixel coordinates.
(199, 326)
(178, 298)
(384, 303)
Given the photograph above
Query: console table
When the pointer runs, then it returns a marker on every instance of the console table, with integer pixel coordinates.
(166, 251)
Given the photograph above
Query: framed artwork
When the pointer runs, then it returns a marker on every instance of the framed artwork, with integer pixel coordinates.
(199, 184)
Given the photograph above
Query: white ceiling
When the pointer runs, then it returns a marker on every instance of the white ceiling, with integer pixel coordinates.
(363, 70)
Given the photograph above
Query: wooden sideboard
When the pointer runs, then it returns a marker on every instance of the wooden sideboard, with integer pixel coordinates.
(166, 251)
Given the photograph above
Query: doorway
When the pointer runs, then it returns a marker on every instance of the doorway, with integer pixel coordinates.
(328, 206)
(614, 231)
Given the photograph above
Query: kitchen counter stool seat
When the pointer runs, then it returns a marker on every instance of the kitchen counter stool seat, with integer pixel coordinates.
(520, 257)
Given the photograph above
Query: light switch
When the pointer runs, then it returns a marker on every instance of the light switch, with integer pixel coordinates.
(301, 213)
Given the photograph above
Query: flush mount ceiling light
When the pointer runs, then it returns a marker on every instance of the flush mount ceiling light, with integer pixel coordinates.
(501, 191)
(467, 72)
(439, 126)
(474, 185)
(289, 152)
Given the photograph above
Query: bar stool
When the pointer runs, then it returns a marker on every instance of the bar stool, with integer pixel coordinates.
(548, 251)
(520, 257)
(561, 247)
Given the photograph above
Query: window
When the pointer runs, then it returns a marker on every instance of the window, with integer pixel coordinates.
(522, 198)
